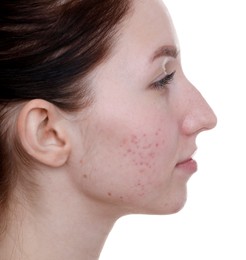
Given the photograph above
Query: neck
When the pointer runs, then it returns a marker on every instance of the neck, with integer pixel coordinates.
(50, 232)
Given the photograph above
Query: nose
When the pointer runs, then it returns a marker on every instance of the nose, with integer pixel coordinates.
(198, 114)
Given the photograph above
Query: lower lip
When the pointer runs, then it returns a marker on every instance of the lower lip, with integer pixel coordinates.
(189, 166)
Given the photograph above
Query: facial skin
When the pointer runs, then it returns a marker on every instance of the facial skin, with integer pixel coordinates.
(136, 134)
(121, 155)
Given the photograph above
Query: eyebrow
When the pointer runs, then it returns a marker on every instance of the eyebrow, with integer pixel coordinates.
(165, 51)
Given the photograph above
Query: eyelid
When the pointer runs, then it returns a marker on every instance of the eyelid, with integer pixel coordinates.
(163, 81)
(160, 77)
(164, 72)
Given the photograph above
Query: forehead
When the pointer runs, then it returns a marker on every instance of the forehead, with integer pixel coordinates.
(147, 28)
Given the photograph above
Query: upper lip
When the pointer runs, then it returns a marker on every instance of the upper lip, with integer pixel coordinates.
(186, 158)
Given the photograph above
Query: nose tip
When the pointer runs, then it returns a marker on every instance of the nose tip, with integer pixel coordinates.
(207, 121)
(200, 116)
(212, 119)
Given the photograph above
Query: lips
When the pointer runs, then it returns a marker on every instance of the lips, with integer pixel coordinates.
(189, 165)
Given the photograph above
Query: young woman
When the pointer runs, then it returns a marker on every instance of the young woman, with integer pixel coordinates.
(97, 120)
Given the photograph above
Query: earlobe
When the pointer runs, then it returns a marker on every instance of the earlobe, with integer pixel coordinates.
(43, 133)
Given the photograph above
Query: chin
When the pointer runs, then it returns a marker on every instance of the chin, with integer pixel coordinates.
(175, 209)
(166, 209)
(176, 203)
(171, 207)
(158, 204)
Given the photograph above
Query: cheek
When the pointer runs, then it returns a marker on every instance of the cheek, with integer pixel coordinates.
(129, 166)
(148, 161)
(142, 150)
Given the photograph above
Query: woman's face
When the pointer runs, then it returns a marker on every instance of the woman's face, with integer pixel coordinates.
(140, 134)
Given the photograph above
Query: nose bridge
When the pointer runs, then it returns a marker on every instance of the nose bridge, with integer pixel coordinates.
(199, 115)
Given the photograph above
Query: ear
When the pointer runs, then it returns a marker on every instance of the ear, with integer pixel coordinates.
(43, 132)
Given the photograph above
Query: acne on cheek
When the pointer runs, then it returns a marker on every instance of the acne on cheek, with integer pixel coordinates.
(142, 150)
(140, 153)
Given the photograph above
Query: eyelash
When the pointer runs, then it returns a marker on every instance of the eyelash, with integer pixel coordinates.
(161, 84)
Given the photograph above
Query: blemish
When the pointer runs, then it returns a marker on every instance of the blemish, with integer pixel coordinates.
(134, 139)
(135, 162)
(151, 155)
(124, 141)
(141, 155)
(138, 184)
(85, 176)
(109, 194)
(157, 132)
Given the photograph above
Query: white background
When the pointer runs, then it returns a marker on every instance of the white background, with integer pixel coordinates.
(212, 225)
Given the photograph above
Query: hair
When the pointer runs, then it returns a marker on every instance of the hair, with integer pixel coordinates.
(47, 50)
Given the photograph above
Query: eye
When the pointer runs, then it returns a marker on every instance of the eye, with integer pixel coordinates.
(161, 84)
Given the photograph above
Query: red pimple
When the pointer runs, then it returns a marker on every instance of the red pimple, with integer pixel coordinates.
(124, 141)
(158, 131)
(151, 155)
(134, 139)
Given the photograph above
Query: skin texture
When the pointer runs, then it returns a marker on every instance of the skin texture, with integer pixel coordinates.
(144, 131)
(121, 155)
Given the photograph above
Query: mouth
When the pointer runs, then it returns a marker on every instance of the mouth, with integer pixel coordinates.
(188, 165)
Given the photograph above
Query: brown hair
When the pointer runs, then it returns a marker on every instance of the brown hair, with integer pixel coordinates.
(47, 50)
